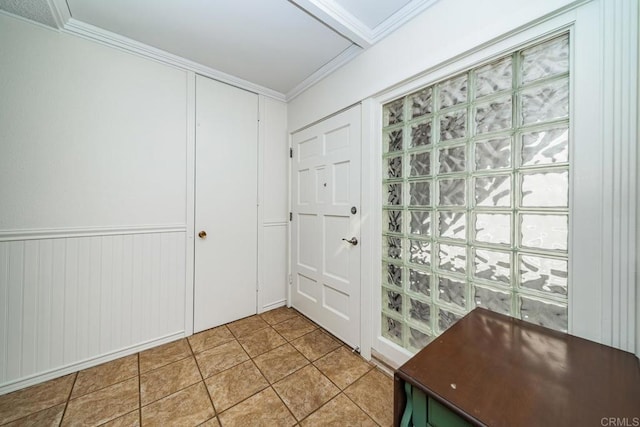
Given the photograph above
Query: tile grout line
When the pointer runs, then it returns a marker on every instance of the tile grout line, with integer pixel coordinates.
(265, 351)
(342, 344)
(340, 390)
(233, 337)
(139, 392)
(177, 391)
(161, 366)
(355, 403)
(310, 363)
(285, 405)
(66, 403)
(215, 411)
(64, 412)
(271, 384)
(103, 388)
(362, 409)
(290, 373)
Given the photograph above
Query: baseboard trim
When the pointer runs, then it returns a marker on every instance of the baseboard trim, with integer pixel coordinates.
(273, 305)
(84, 364)
(383, 362)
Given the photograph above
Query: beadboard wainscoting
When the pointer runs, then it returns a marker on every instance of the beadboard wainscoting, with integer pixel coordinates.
(73, 298)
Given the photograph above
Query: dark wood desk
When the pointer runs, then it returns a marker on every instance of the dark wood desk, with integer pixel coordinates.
(493, 370)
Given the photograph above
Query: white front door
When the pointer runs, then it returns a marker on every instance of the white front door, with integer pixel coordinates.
(226, 204)
(326, 213)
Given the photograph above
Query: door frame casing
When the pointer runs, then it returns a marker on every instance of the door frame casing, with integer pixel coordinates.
(189, 279)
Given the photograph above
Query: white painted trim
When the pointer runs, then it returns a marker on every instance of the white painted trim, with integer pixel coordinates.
(337, 18)
(60, 12)
(289, 224)
(260, 279)
(391, 351)
(275, 224)
(89, 32)
(332, 14)
(61, 233)
(191, 200)
(273, 305)
(368, 264)
(619, 23)
(402, 16)
(374, 121)
(87, 363)
(381, 360)
(108, 38)
(345, 56)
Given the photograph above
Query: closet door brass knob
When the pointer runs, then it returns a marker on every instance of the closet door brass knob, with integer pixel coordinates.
(202, 234)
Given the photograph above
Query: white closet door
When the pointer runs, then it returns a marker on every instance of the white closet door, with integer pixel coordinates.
(226, 204)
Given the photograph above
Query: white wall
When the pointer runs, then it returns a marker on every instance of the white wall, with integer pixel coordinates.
(93, 177)
(464, 30)
(442, 32)
(91, 137)
(96, 203)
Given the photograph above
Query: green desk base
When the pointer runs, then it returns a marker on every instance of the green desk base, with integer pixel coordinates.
(423, 411)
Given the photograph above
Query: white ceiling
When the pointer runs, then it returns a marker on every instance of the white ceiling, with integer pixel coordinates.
(277, 45)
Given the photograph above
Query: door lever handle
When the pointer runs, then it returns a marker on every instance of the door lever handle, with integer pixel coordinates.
(353, 241)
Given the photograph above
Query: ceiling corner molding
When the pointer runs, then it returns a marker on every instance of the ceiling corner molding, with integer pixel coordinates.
(60, 12)
(345, 56)
(399, 18)
(349, 26)
(337, 18)
(90, 32)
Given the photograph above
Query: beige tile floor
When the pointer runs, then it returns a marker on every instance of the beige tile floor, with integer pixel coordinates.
(273, 369)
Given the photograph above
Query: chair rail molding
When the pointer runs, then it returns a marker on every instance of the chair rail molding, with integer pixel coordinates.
(69, 232)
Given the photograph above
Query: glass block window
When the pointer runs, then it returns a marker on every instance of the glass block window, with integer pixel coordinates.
(476, 196)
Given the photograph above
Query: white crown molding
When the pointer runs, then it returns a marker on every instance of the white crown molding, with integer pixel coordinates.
(68, 232)
(99, 35)
(345, 56)
(399, 18)
(69, 25)
(60, 12)
(340, 20)
(327, 11)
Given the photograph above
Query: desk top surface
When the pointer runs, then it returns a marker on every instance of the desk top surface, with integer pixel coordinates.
(501, 371)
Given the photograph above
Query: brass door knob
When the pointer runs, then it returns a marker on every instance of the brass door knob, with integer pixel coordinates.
(202, 234)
